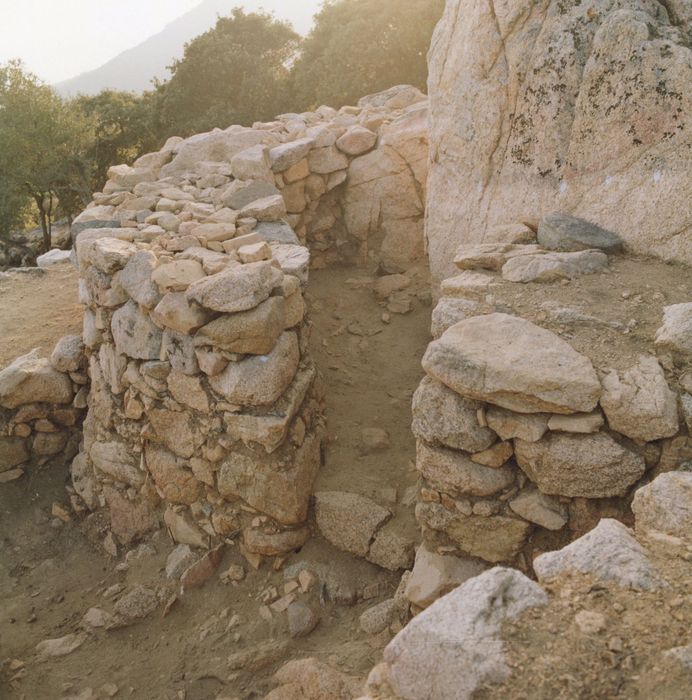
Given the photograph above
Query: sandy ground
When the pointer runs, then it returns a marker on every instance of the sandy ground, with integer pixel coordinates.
(36, 310)
(52, 573)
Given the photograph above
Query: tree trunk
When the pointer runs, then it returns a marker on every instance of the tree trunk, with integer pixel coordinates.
(44, 213)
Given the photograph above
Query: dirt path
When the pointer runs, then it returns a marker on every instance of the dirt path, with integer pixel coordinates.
(36, 309)
(51, 573)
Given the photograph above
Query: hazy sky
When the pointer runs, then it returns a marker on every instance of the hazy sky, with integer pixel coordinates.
(57, 39)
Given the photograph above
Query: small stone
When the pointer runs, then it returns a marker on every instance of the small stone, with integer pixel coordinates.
(51, 648)
(179, 560)
(563, 232)
(434, 575)
(590, 622)
(137, 604)
(495, 456)
(254, 252)
(348, 520)
(378, 618)
(665, 505)
(536, 507)
(200, 572)
(374, 440)
(302, 619)
(608, 553)
(579, 423)
(235, 572)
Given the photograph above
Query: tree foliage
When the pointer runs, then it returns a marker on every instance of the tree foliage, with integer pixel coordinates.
(42, 147)
(358, 47)
(236, 73)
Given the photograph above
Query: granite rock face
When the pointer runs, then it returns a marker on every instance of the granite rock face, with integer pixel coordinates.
(529, 117)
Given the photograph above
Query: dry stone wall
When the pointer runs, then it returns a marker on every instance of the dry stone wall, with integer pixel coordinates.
(518, 433)
(42, 404)
(353, 181)
(204, 408)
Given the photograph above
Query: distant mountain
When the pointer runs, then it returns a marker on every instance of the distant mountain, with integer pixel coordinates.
(135, 68)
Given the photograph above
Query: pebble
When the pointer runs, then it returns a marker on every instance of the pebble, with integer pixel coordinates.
(302, 619)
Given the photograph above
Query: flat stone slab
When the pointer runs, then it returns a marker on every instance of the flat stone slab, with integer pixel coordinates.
(512, 363)
(569, 233)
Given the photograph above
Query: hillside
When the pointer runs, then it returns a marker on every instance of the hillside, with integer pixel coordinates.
(134, 69)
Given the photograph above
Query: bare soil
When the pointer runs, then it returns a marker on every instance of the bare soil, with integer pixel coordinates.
(37, 308)
(551, 658)
(620, 309)
(51, 572)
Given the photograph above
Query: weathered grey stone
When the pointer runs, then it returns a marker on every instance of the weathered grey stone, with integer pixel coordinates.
(266, 209)
(441, 416)
(453, 471)
(31, 379)
(378, 617)
(639, 403)
(569, 233)
(238, 288)
(454, 646)
(356, 141)
(261, 380)
(135, 334)
(254, 332)
(349, 521)
(108, 254)
(540, 509)
(179, 560)
(587, 466)
(302, 619)
(293, 259)
(391, 549)
(252, 164)
(676, 332)
(68, 354)
(435, 575)
(450, 311)
(176, 311)
(608, 553)
(550, 267)
(239, 198)
(665, 505)
(536, 372)
(289, 154)
(277, 232)
(177, 275)
(326, 160)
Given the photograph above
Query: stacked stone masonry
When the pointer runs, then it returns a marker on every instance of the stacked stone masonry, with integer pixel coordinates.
(204, 409)
(42, 404)
(517, 431)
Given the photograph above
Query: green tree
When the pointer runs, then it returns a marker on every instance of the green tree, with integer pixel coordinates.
(236, 73)
(358, 47)
(123, 129)
(42, 146)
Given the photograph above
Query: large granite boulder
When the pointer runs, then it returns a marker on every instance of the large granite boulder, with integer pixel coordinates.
(555, 106)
